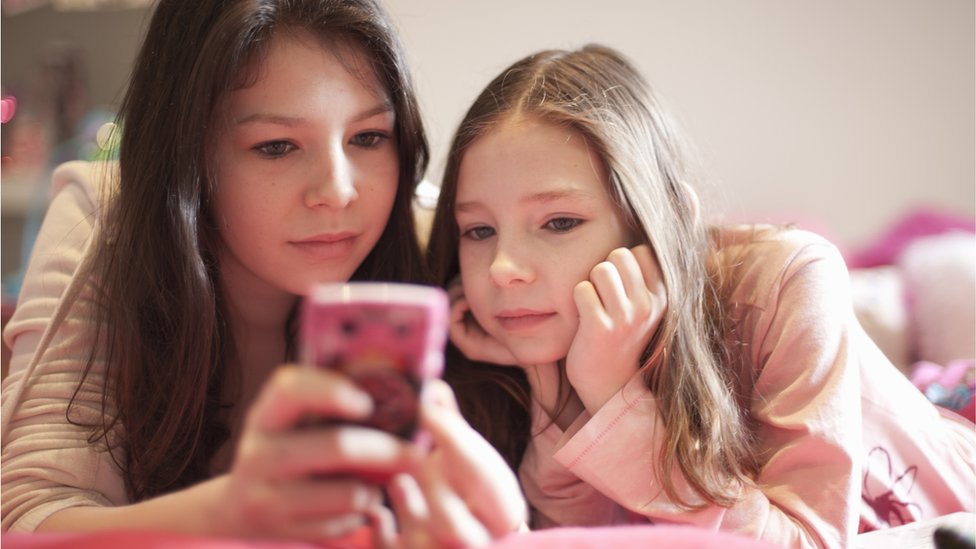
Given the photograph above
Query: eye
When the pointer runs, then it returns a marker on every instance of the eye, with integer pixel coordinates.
(478, 233)
(275, 149)
(368, 140)
(563, 224)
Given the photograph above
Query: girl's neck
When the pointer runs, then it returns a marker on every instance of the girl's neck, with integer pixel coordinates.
(258, 315)
(551, 389)
(253, 306)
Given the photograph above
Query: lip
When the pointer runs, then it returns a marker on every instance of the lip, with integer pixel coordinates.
(515, 320)
(327, 246)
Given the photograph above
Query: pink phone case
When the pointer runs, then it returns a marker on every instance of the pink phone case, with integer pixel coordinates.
(388, 337)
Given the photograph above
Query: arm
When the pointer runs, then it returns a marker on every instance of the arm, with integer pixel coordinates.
(53, 479)
(61, 243)
(806, 406)
(284, 483)
(35, 436)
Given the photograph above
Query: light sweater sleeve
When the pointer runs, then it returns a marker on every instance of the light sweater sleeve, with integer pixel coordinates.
(557, 496)
(47, 462)
(805, 404)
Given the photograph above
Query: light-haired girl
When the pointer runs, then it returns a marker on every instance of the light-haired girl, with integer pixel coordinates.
(636, 365)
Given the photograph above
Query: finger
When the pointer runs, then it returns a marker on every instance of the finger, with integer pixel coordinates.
(383, 524)
(441, 416)
(308, 500)
(588, 305)
(471, 339)
(633, 280)
(314, 498)
(476, 471)
(294, 392)
(609, 287)
(459, 309)
(654, 279)
(339, 449)
(317, 530)
(465, 334)
(455, 289)
(306, 509)
(631, 272)
(439, 393)
(411, 511)
(450, 522)
(650, 268)
(462, 324)
(326, 529)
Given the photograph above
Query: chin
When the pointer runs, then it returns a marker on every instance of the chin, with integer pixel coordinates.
(534, 355)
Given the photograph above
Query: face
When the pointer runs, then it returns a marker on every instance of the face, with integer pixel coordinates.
(535, 217)
(306, 170)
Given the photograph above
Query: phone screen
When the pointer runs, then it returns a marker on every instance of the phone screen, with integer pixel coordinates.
(389, 338)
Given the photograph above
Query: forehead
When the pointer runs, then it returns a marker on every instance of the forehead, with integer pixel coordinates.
(297, 59)
(301, 78)
(530, 156)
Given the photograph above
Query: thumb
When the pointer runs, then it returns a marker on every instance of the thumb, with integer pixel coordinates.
(439, 395)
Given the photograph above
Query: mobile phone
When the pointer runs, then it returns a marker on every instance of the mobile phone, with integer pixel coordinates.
(388, 337)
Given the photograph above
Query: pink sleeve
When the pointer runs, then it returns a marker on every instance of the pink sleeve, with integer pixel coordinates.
(558, 496)
(805, 404)
(47, 463)
(61, 243)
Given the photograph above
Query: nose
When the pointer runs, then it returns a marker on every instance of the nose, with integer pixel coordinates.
(509, 265)
(331, 182)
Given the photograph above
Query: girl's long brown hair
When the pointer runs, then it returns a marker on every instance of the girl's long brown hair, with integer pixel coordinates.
(161, 322)
(688, 364)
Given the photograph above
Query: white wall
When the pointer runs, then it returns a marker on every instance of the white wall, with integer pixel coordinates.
(839, 115)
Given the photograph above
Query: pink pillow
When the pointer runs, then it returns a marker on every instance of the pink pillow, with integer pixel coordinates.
(920, 223)
(618, 537)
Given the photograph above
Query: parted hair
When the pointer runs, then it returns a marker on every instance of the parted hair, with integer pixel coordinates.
(160, 318)
(689, 364)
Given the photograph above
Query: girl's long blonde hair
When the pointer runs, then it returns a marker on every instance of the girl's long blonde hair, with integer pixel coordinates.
(688, 364)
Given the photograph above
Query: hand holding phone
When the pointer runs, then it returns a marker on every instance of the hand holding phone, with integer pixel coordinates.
(388, 337)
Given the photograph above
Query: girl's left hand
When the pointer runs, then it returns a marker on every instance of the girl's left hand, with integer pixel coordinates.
(463, 494)
(620, 307)
(468, 336)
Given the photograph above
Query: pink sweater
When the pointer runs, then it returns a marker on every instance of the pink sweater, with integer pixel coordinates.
(811, 357)
(47, 463)
(851, 444)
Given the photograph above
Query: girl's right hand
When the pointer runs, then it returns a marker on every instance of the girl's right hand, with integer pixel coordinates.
(468, 336)
(621, 306)
(463, 494)
(307, 483)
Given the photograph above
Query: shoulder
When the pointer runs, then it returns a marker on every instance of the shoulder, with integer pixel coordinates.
(790, 300)
(94, 180)
(63, 242)
(765, 255)
(783, 273)
(766, 240)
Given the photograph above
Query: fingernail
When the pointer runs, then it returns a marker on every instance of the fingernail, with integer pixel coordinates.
(359, 401)
(437, 392)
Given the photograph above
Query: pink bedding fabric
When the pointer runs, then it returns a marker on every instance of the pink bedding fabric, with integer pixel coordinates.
(886, 248)
(952, 386)
(619, 537)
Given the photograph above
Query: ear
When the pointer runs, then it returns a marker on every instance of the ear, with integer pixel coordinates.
(691, 198)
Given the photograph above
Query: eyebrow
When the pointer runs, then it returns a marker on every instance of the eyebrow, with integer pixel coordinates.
(291, 121)
(544, 197)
